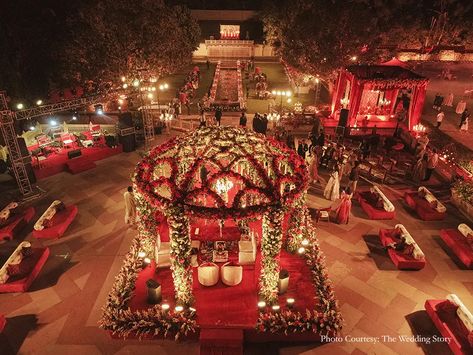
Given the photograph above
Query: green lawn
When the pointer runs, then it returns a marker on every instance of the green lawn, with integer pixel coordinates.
(276, 77)
(176, 81)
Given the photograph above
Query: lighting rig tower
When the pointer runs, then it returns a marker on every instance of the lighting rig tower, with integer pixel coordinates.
(7, 127)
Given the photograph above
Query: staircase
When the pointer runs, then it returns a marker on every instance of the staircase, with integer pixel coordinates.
(220, 341)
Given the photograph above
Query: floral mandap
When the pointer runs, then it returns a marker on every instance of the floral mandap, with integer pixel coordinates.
(238, 178)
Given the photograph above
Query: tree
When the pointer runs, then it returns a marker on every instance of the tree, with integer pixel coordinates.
(111, 38)
(319, 36)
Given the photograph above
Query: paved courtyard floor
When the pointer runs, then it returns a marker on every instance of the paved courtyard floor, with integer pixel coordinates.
(59, 314)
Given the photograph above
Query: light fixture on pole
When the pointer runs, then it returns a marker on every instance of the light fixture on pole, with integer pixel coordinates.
(274, 117)
(281, 94)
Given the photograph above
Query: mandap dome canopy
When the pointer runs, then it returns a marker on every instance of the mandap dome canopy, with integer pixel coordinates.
(221, 172)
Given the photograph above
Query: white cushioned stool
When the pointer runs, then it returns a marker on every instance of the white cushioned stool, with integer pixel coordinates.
(207, 274)
(231, 274)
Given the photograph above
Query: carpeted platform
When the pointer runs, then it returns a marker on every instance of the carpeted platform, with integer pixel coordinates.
(56, 163)
(236, 306)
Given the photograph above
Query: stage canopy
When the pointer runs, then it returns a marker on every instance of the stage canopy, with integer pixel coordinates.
(387, 92)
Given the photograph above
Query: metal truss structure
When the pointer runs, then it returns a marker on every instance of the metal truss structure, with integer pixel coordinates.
(7, 127)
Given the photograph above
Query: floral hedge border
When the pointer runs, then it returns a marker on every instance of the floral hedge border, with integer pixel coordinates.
(120, 320)
(327, 320)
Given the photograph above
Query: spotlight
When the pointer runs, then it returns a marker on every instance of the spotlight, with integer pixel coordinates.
(99, 109)
(153, 88)
(141, 254)
(32, 128)
(136, 83)
(39, 102)
(20, 106)
(178, 308)
(305, 242)
(354, 58)
(301, 250)
(125, 86)
(288, 93)
(166, 85)
(123, 79)
(53, 122)
(273, 92)
(289, 100)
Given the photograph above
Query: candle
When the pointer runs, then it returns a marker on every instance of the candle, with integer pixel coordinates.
(261, 305)
(276, 308)
(178, 308)
(164, 306)
(301, 250)
(290, 302)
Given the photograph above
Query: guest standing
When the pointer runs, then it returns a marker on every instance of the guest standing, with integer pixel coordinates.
(464, 117)
(354, 177)
(130, 206)
(432, 163)
(420, 168)
(202, 120)
(314, 167)
(464, 125)
(243, 120)
(332, 189)
(449, 101)
(342, 207)
(264, 124)
(440, 117)
(302, 149)
(218, 115)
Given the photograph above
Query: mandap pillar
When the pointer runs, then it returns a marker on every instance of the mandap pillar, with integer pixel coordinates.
(270, 249)
(180, 253)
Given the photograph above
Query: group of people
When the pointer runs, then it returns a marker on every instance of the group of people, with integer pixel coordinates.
(460, 109)
(427, 161)
(260, 123)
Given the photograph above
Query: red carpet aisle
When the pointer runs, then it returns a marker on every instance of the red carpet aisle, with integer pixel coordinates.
(56, 162)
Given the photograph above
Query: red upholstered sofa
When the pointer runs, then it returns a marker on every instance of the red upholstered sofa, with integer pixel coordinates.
(423, 208)
(449, 325)
(402, 261)
(458, 245)
(16, 223)
(3, 321)
(34, 265)
(365, 200)
(60, 222)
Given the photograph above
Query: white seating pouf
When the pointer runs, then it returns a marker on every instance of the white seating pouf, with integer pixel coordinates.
(162, 254)
(207, 274)
(247, 251)
(231, 274)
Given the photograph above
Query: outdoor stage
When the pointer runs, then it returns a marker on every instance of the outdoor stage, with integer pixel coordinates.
(58, 161)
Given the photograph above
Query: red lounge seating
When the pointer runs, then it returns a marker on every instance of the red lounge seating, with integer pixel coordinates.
(458, 245)
(402, 261)
(16, 224)
(60, 222)
(80, 164)
(372, 211)
(448, 327)
(35, 264)
(423, 208)
(3, 321)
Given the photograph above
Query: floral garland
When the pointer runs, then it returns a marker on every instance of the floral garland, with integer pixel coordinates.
(179, 183)
(270, 249)
(326, 320)
(120, 320)
(180, 254)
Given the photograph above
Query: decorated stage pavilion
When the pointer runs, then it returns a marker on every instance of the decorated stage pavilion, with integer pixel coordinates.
(385, 94)
(225, 232)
